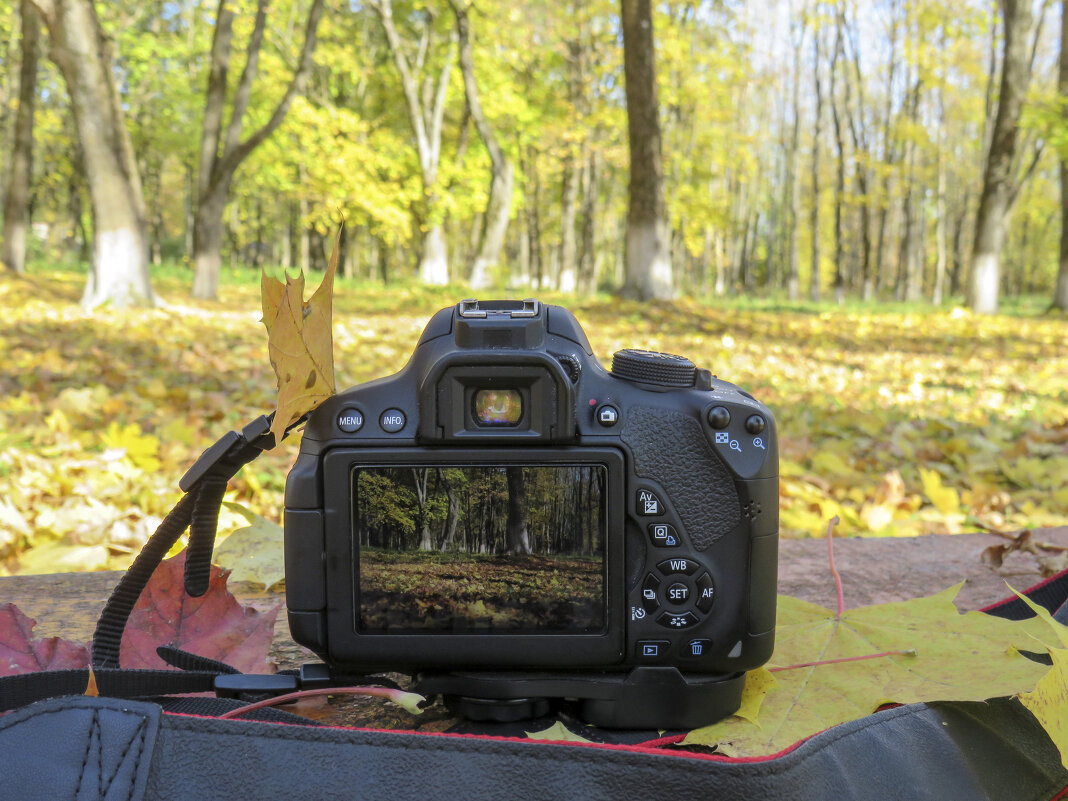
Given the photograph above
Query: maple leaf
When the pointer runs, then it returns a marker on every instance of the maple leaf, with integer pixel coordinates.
(957, 657)
(558, 733)
(253, 553)
(214, 625)
(300, 342)
(22, 652)
(1048, 702)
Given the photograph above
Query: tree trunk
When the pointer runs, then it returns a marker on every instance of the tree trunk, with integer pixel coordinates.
(793, 256)
(588, 250)
(839, 181)
(566, 276)
(502, 179)
(426, 111)
(814, 276)
(221, 153)
(518, 535)
(999, 183)
(20, 169)
(118, 272)
(648, 262)
(1060, 292)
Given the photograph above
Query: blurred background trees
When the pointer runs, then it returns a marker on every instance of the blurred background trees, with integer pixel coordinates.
(837, 148)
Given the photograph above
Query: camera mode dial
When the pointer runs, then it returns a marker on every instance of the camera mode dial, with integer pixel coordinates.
(650, 367)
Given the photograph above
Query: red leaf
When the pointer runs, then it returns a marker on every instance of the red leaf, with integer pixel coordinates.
(21, 652)
(214, 625)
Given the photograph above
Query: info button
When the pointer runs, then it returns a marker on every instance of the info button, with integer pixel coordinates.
(392, 420)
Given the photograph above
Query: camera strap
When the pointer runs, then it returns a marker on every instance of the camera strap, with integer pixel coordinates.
(204, 485)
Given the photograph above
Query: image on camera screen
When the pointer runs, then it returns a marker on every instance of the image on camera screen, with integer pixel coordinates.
(480, 549)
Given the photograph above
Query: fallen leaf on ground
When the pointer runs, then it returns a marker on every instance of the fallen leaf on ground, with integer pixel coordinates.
(1048, 702)
(22, 652)
(558, 732)
(254, 553)
(214, 625)
(969, 657)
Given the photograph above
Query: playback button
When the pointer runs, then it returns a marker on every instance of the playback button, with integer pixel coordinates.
(652, 650)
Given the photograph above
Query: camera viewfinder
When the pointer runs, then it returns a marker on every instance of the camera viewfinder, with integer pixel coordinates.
(498, 407)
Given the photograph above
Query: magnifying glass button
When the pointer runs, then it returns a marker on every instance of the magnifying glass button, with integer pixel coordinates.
(758, 442)
(735, 446)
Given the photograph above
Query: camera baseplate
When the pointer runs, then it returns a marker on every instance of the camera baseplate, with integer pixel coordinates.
(641, 698)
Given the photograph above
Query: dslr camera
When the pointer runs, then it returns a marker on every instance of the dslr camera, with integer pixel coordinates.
(517, 527)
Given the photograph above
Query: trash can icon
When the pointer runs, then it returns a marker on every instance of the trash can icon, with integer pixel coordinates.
(696, 647)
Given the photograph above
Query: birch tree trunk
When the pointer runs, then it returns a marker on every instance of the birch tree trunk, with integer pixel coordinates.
(648, 259)
(1060, 292)
(20, 170)
(118, 272)
(502, 174)
(999, 184)
(426, 113)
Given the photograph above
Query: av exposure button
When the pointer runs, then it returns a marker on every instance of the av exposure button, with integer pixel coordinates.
(350, 420)
(663, 535)
(706, 592)
(392, 420)
(677, 621)
(648, 504)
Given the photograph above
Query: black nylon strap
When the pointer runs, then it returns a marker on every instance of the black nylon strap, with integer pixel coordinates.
(199, 510)
(112, 622)
(25, 688)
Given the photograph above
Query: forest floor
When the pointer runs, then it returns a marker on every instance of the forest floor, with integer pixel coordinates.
(900, 420)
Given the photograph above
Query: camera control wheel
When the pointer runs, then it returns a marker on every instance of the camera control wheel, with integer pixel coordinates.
(650, 367)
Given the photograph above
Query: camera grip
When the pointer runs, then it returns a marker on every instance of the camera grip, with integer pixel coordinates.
(671, 448)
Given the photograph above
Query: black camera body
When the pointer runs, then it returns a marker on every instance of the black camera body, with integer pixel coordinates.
(513, 524)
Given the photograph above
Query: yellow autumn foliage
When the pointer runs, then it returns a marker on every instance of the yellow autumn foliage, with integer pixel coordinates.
(899, 421)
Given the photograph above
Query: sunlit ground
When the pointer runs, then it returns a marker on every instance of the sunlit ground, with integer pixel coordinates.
(901, 420)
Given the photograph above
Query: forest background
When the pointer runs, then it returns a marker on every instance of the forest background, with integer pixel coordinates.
(842, 184)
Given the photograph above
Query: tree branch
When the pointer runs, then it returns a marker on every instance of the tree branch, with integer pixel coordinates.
(231, 160)
(248, 75)
(215, 100)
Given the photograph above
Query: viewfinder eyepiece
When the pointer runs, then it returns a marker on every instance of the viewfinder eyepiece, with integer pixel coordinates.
(498, 407)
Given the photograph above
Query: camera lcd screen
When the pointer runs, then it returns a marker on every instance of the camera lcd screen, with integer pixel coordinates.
(480, 549)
